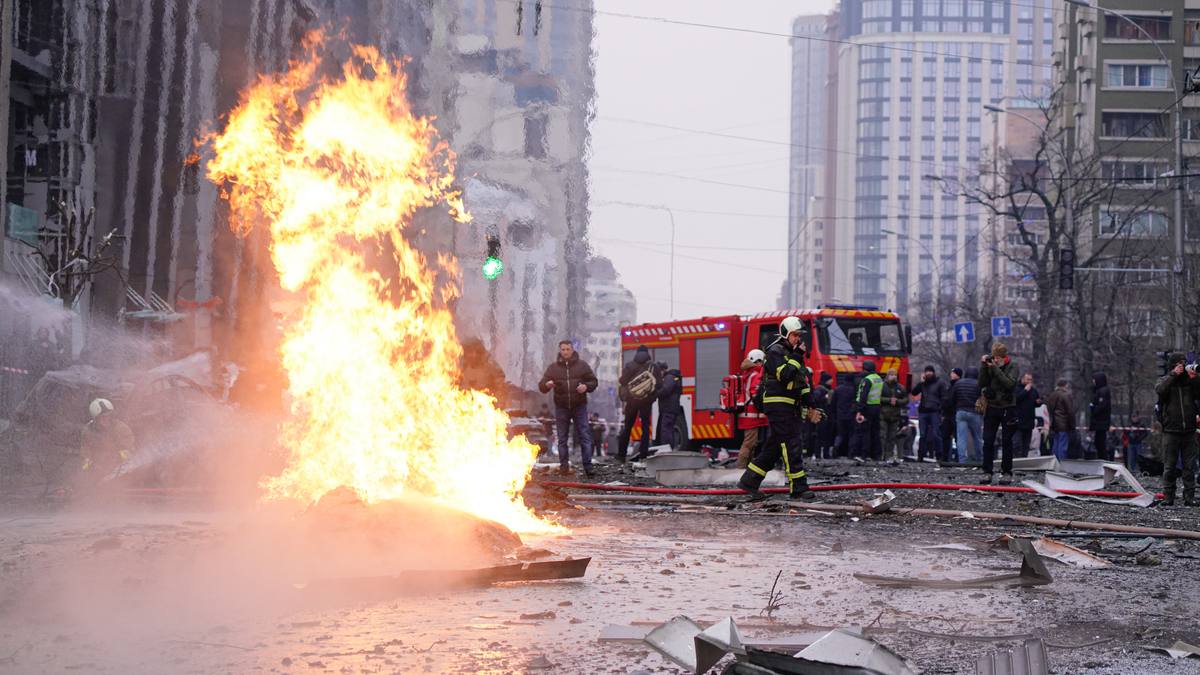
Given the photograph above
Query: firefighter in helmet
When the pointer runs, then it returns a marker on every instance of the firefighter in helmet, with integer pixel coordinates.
(106, 444)
(785, 399)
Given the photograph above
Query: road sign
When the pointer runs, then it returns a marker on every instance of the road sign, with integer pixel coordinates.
(964, 332)
(1001, 326)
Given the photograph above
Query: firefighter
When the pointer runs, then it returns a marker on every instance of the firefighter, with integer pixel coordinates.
(106, 443)
(867, 400)
(750, 420)
(785, 398)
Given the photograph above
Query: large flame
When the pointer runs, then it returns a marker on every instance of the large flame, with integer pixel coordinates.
(337, 167)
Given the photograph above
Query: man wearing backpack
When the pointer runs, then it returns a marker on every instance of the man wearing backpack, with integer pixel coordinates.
(570, 378)
(749, 419)
(1178, 392)
(638, 387)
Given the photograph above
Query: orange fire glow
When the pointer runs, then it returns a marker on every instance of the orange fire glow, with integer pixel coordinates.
(337, 167)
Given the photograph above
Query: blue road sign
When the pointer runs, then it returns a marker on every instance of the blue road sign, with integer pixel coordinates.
(964, 332)
(1001, 326)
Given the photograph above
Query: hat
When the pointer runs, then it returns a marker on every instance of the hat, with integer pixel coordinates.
(1177, 357)
(999, 350)
(930, 369)
(868, 366)
(957, 371)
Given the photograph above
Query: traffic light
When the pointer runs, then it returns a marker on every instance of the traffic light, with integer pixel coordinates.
(1164, 361)
(492, 265)
(1066, 269)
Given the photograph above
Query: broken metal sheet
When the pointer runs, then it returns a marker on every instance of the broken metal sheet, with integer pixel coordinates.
(1082, 467)
(1112, 471)
(853, 654)
(676, 459)
(714, 642)
(1179, 650)
(676, 640)
(1143, 500)
(1056, 550)
(1028, 659)
(1065, 481)
(415, 581)
(882, 502)
(1033, 573)
(1047, 463)
(707, 476)
(947, 547)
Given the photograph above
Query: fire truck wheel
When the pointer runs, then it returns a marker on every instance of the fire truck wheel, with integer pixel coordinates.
(682, 440)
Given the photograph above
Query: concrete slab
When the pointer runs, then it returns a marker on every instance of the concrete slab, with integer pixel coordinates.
(1083, 467)
(1047, 463)
(709, 476)
(677, 459)
(1063, 481)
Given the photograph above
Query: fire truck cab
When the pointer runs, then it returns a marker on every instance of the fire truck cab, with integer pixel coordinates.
(840, 338)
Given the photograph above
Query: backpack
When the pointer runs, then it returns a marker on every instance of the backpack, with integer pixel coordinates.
(642, 386)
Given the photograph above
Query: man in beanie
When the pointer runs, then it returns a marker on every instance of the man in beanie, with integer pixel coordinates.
(1178, 392)
(867, 400)
(998, 379)
(893, 416)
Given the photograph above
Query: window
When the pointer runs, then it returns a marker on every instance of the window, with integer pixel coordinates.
(1118, 28)
(1132, 172)
(1136, 75)
(1191, 32)
(859, 336)
(712, 365)
(535, 136)
(1133, 125)
(1139, 224)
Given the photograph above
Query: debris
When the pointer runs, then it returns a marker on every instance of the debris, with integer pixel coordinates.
(773, 598)
(539, 663)
(539, 615)
(1143, 499)
(707, 476)
(714, 642)
(413, 581)
(675, 640)
(1029, 659)
(1178, 650)
(792, 642)
(1033, 573)
(1057, 550)
(675, 459)
(962, 637)
(947, 547)
(1147, 559)
(1047, 463)
(882, 502)
(1063, 481)
(1082, 467)
(851, 651)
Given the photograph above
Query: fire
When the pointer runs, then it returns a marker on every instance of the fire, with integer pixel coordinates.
(336, 167)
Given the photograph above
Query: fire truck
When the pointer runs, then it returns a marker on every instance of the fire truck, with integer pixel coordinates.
(840, 338)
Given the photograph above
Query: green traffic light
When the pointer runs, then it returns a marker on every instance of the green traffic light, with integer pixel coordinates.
(492, 267)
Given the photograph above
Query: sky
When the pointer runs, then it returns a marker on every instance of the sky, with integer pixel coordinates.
(651, 73)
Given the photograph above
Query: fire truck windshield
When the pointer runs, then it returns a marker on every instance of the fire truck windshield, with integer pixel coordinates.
(865, 337)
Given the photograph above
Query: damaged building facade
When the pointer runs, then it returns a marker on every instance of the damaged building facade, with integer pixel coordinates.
(107, 210)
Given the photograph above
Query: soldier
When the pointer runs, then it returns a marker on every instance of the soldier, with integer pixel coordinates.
(892, 416)
(786, 394)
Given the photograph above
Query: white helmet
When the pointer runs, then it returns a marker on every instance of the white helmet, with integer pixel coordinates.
(756, 356)
(100, 406)
(790, 325)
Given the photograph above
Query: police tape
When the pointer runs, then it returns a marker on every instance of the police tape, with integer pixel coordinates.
(18, 371)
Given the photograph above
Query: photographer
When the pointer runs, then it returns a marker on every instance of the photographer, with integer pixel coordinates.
(997, 380)
(1178, 392)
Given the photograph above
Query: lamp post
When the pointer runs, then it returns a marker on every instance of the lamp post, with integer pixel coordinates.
(1177, 165)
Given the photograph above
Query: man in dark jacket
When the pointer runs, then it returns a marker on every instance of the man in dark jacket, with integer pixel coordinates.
(826, 428)
(786, 396)
(892, 416)
(669, 410)
(636, 408)
(933, 393)
(949, 425)
(997, 380)
(1028, 399)
(968, 423)
(812, 430)
(571, 379)
(1178, 392)
(1101, 414)
(841, 410)
(1062, 418)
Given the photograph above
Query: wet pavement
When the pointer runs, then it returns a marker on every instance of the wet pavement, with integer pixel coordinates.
(60, 611)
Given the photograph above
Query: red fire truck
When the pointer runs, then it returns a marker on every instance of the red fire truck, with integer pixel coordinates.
(840, 339)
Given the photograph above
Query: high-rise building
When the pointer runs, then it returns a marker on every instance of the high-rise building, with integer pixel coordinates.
(810, 71)
(913, 77)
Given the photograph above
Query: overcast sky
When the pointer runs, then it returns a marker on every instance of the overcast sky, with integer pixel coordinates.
(651, 73)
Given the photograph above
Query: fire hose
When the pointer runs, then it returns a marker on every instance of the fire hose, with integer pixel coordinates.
(729, 492)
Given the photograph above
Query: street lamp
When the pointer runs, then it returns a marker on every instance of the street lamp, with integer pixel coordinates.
(1176, 283)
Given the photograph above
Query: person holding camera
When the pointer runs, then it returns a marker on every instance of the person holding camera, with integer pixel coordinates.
(1178, 392)
(998, 379)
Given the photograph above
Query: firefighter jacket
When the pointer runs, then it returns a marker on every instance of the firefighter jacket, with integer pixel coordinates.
(1177, 396)
(997, 382)
(870, 391)
(567, 375)
(897, 391)
(785, 379)
(104, 449)
(750, 417)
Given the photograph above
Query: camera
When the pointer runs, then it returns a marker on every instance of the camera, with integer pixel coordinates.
(1191, 368)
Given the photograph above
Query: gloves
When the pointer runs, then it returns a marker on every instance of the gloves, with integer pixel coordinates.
(815, 415)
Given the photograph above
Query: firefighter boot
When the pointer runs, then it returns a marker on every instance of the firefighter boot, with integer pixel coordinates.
(750, 481)
(800, 490)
